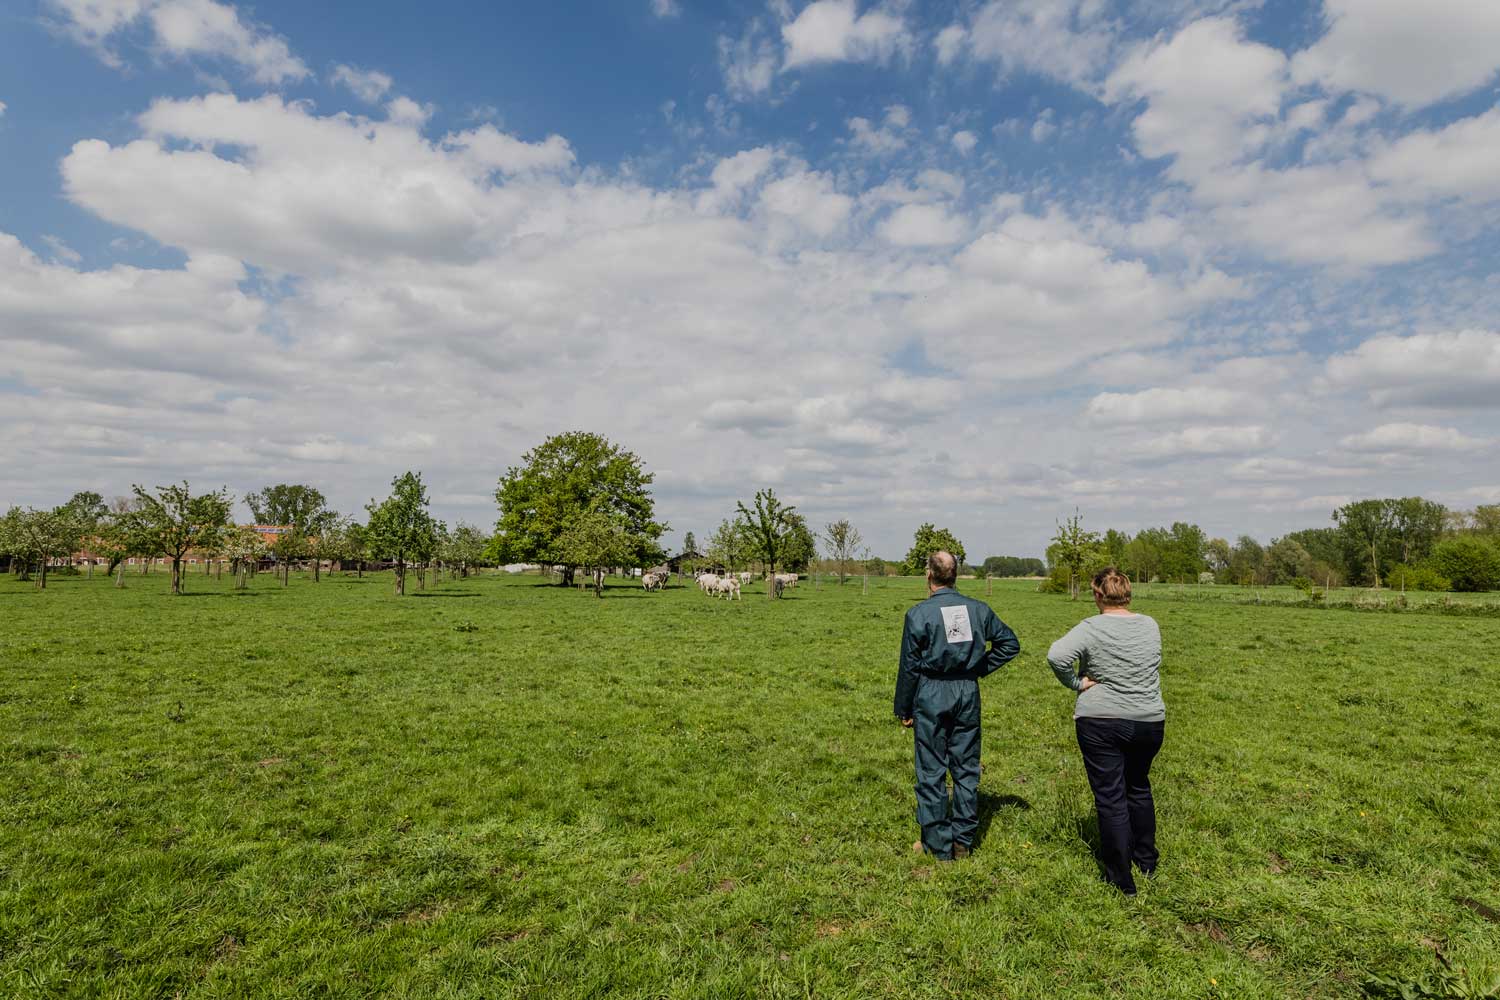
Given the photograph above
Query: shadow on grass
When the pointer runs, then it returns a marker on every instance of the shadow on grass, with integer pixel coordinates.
(455, 593)
(1088, 832)
(992, 805)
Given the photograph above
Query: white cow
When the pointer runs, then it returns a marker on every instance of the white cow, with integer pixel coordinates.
(727, 588)
(707, 581)
(653, 581)
(745, 576)
(787, 579)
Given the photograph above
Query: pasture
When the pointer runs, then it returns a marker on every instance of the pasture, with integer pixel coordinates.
(500, 789)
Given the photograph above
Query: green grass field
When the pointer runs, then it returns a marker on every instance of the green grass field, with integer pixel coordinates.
(501, 789)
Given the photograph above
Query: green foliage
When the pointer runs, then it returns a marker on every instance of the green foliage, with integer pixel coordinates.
(766, 526)
(559, 481)
(172, 520)
(800, 547)
(928, 540)
(1424, 577)
(1075, 552)
(1005, 566)
(1470, 562)
(1286, 559)
(597, 539)
(1364, 527)
(291, 505)
(400, 528)
(35, 536)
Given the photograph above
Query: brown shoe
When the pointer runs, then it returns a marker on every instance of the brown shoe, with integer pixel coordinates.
(960, 852)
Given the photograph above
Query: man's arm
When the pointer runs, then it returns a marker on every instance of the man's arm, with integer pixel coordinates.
(1004, 646)
(906, 673)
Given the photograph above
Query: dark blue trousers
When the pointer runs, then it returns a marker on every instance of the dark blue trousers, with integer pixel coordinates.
(947, 743)
(1117, 753)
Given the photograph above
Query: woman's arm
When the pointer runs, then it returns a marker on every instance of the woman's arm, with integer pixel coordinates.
(1069, 650)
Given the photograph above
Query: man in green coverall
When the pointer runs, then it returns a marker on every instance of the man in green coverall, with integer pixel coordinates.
(943, 655)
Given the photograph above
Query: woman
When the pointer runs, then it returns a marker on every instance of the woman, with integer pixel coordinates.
(1120, 720)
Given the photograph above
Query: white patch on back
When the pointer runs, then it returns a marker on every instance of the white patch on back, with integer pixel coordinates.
(956, 624)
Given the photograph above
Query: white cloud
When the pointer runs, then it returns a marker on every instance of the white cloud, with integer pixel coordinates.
(833, 31)
(183, 29)
(1170, 405)
(1204, 87)
(490, 149)
(1405, 438)
(885, 138)
(1066, 40)
(368, 85)
(922, 226)
(1412, 53)
(950, 43)
(808, 200)
(1454, 369)
(1043, 128)
(964, 141)
(1457, 160)
(748, 63)
(1200, 441)
(2, 109)
(665, 8)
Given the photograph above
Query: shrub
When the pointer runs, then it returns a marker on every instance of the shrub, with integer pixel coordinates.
(1469, 562)
(1056, 581)
(1416, 578)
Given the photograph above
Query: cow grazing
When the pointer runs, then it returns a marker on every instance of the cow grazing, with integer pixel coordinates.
(727, 588)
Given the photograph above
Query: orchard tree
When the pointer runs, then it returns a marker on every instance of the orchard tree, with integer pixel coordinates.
(1074, 549)
(465, 548)
(289, 546)
(244, 547)
(597, 540)
(41, 536)
(558, 482)
(172, 520)
(728, 545)
(800, 547)
(89, 513)
(330, 544)
(766, 526)
(844, 544)
(928, 540)
(400, 527)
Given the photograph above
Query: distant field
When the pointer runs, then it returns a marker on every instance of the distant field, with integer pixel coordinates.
(501, 789)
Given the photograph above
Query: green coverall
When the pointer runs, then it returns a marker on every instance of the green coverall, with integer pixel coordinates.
(943, 655)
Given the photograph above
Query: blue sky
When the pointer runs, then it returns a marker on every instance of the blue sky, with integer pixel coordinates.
(975, 262)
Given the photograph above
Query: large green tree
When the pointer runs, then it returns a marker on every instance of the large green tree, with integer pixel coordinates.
(1364, 527)
(1416, 525)
(173, 520)
(727, 545)
(559, 481)
(291, 505)
(400, 528)
(925, 542)
(800, 547)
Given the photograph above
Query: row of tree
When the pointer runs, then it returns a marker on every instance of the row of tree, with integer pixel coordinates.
(171, 522)
(1408, 542)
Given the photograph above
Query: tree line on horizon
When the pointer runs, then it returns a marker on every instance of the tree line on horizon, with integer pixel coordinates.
(580, 501)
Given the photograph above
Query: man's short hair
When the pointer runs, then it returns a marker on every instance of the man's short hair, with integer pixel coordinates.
(943, 568)
(1112, 588)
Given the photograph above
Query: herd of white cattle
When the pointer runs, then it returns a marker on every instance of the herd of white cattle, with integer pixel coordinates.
(726, 586)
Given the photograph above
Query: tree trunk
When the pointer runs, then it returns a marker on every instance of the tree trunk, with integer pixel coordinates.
(1374, 566)
(599, 583)
(41, 579)
(91, 569)
(317, 571)
(567, 576)
(120, 576)
(400, 578)
(177, 575)
(218, 569)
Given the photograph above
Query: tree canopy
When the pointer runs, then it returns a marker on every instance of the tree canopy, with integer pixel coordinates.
(172, 520)
(291, 505)
(400, 528)
(927, 540)
(561, 480)
(766, 525)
